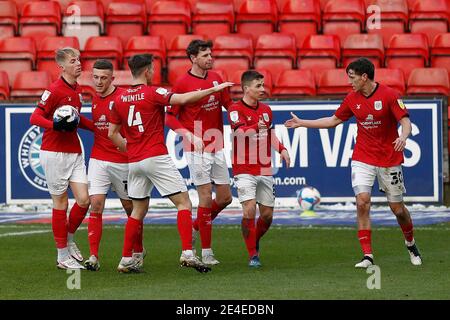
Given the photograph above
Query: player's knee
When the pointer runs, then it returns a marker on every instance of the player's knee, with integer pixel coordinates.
(96, 206)
(223, 202)
(83, 202)
(363, 205)
(399, 211)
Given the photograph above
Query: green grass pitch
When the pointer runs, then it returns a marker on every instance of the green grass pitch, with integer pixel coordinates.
(298, 263)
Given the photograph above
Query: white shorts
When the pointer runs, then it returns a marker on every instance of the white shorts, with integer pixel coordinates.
(390, 180)
(208, 167)
(251, 187)
(60, 168)
(159, 171)
(104, 174)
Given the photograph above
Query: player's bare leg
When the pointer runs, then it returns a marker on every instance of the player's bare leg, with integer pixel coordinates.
(404, 220)
(364, 228)
(249, 231)
(184, 222)
(264, 222)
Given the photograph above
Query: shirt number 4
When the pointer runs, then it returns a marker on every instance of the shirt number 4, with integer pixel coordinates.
(137, 119)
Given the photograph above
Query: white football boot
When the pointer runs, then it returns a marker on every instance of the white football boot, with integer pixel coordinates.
(191, 261)
(365, 262)
(74, 251)
(208, 257)
(128, 265)
(414, 254)
(69, 263)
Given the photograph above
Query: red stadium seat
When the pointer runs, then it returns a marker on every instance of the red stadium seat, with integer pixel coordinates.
(334, 82)
(29, 85)
(4, 86)
(275, 52)
(46, 53)
(126, 19)
(343, 17)
(233, 52)
(394, 18)
(40, 19)
(393, 78)
(363, 45)
(257, 17)
(430, 17)
(407, 52)
(83, 19)
(169, 19)
(319, 52)
(301, 18)
(428, 81)
(292, 83)
(109, 48)
(148, 44)
(86, 82)
(223, 75)
(20, 4)
(17, 54)
(213, 17)
(236, 91)
(440, 51)
(8, 19)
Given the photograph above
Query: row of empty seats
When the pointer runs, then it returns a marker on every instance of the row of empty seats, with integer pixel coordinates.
(169, 18)
(275, 52)
(290, 84)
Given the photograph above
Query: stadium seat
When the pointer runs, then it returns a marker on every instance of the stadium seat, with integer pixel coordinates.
(363, 45)
(393, 19)
(233, 52)
(20, 4)
(83, 19)
(169, 19)
(8, 19)
(440, 51)
(343, 17)
(301, 18)
(275, 52)
(86, 82)
(393, 78)
(46, 53)
(223, 75)
(292, 83)
(257, 17)
(236, 91)
(148, 44)
(126, 19)
(17, 54)
(213, 17)
(334, 82)
(4, 86)
(430, 17)
(428, 81)
(40, 19)
(109, 48)
(319, 52)
(29, 85)
(406, 52)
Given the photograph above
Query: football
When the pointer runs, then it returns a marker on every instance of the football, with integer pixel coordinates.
(308, 198)
(69, 113)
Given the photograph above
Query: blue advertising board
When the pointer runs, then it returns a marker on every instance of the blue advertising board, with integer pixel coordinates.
(320, 158)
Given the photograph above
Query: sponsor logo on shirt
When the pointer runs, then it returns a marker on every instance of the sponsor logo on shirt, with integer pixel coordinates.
(162, 91)
(400, 103)
(378, 105)
(45, 96)
(358, 106)
(369, 123)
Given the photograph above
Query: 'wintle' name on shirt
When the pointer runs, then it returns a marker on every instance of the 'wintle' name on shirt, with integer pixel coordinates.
(133, 98)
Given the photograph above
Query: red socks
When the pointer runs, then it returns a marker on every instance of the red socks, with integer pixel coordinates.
(184, 223)
(94, 232)
(131, 234)
(249, 234)
(204, 223)
(408, 231)
(138, 245)
(215, 210)
(365, 240)
(59, 227)
(261, 228)
(76, 217)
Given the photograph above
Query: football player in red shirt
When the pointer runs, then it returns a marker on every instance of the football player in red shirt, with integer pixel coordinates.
(140, 111)
(62, 159)
(253, 140)
(201, 125)
(378, 151)
(108, 167)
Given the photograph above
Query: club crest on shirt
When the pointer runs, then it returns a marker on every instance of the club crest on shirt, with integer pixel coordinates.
(266, 117)
(400, 103)
(378, 105)
(234, 116)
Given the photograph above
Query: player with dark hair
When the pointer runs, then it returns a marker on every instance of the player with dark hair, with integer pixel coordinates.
(140, 111)
(61, 157)
(253, 140)
(201, 125)
(378, 151)
(108, 167)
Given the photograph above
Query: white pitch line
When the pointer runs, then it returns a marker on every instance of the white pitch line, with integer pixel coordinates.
(24, 233)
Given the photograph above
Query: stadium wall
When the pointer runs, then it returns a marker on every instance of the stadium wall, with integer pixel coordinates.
(320, 158)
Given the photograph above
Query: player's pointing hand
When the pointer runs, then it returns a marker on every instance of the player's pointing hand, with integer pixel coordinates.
(294, 122)
(223, 86)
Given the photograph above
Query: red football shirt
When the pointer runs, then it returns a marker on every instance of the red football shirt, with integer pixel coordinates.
(207, 112)
(377, 119)
(103, 148)
(251, 148)
(140, 110)
(60, 93)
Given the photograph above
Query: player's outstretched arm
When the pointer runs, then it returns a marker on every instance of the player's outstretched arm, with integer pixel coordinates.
(194, 96)
(115, 136)
(322, 123)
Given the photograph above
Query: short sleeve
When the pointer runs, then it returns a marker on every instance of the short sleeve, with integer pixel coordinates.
(48, 101)
(344, 112)
(398, 108)
(161, 96)
(114, 116)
